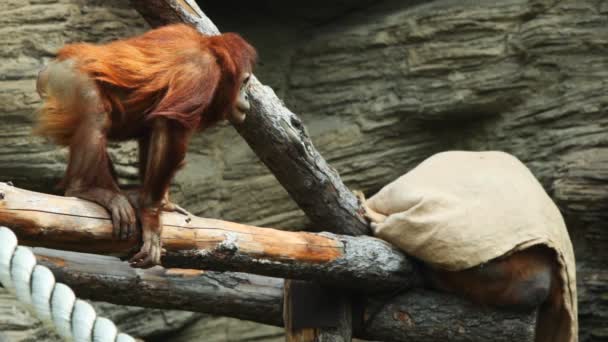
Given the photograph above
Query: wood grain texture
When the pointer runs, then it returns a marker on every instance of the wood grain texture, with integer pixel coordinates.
(363, 263)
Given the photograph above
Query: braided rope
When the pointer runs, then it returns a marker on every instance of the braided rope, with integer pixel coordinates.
(53, 303)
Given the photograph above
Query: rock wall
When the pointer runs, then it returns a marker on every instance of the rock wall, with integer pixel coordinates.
(380, 86)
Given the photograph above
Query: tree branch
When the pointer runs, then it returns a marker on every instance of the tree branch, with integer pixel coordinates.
(415, 315)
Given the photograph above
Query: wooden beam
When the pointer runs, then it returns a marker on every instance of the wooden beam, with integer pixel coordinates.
(315, 313)
(361, 263)
(278, 137)
(104, 278)
(413, 315)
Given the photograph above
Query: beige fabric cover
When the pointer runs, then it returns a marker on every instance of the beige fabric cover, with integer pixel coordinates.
(460, 209)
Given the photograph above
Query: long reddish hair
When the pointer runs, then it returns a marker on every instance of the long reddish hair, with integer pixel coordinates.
(164, 72)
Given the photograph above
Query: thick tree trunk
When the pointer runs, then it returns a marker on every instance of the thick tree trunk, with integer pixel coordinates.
(414, 315)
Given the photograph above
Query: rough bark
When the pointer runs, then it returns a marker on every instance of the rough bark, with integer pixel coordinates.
(415, 315)
(362, 263)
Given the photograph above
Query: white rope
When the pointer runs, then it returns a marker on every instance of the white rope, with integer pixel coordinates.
(53, 303)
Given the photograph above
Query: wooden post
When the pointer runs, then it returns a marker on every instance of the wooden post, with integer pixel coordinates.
(359, 263)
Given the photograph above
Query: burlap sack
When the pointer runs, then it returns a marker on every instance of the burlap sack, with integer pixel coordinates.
(459, 209)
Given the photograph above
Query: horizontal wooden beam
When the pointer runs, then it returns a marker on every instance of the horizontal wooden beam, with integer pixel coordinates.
(104, 278)
(360, 263)
(413, 315)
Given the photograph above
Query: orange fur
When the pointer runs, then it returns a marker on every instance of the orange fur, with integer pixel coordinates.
(496, 282)
(164, 72)
(55, 122)
(525, 280)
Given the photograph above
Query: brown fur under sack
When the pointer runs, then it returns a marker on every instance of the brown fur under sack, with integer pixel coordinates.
(458, 210)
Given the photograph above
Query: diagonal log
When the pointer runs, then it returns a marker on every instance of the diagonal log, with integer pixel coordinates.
(415, 315)
(360, 263)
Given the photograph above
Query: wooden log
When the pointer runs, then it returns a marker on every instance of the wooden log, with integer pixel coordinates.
(361, 263)
(278, 137)
(280, 140)
(413, 315)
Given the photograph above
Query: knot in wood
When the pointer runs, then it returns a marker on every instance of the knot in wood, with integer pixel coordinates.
(229, 246)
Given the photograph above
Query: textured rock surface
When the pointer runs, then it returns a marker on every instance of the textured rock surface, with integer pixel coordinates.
(379, 89)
